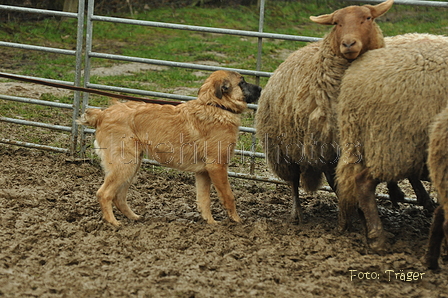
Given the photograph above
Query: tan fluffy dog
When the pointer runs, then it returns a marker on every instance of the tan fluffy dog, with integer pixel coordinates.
(197, 136)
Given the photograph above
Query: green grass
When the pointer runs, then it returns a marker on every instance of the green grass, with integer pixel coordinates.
(177, 45)
(186, 46)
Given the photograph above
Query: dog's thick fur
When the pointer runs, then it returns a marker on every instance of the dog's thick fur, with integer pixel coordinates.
(197, 136)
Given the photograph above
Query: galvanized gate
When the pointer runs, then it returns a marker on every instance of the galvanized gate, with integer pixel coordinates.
(75, 106)
(83, 54)
(92, 19)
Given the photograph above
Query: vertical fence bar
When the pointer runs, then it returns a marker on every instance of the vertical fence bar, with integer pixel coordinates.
(87, 66)
(257, 79)
(78, 74)
(260, 40)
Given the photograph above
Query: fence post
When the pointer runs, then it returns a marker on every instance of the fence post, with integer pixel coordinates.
(261, 4)
(88, 50)
(78, 72)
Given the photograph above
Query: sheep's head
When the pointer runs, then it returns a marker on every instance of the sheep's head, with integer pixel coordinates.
(355, 31)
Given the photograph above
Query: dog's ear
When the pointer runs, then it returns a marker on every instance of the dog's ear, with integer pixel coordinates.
(222, 87)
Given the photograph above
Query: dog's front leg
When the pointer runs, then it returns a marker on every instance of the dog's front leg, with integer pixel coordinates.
(219, 177)
(203, 184)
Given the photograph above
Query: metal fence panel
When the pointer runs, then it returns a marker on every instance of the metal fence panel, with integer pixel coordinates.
(85, 54)
(77, 53)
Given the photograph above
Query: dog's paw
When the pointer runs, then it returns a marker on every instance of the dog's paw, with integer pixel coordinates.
(114, 223)
(211, 221)
(135, 217)
(235, 217)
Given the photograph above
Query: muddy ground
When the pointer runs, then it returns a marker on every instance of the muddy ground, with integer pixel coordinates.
(53, 242)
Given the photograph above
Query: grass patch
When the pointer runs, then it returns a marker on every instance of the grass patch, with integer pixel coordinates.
(187, 46)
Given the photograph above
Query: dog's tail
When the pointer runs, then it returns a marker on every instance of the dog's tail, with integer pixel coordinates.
(90, 117)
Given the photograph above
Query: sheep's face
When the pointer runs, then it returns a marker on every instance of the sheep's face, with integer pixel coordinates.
(355, 31)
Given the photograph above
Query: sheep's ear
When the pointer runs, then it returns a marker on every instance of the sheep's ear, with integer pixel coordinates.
(222, 87)
(380, 9)
(325, 19)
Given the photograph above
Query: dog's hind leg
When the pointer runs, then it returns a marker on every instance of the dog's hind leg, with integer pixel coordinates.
(120, 163)
(203, 184)
(105, 195)
(121, 203)
(220, 179)
(120, 199)
(114, 189)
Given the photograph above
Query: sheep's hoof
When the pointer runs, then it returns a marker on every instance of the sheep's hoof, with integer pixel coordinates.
(430, 262)
(343, 225)
(378, 244)
(430, 206)
(296, 216)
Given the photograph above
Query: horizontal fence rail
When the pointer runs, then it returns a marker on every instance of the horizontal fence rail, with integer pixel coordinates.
(37, 101)
(39, 11)
(37, 48)
(178, 64)
(36, 124)
(34, 146)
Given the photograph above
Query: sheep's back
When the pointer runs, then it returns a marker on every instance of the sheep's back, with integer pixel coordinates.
(387, 101)
(397, 40)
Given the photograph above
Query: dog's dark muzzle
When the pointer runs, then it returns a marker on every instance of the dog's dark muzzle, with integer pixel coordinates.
(251, 92)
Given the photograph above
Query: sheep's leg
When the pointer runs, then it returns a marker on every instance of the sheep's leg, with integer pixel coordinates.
(445, 226)
(330, 175)
(423, 198)
(395, 193)
(296, 213)
(439, 224)
(366, 186)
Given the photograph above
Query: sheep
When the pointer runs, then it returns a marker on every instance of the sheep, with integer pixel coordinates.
(294, 119)
(388, 97)
(438, 172)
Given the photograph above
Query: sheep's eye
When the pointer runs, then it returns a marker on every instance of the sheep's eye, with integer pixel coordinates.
(369, 18)
(335, 23)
